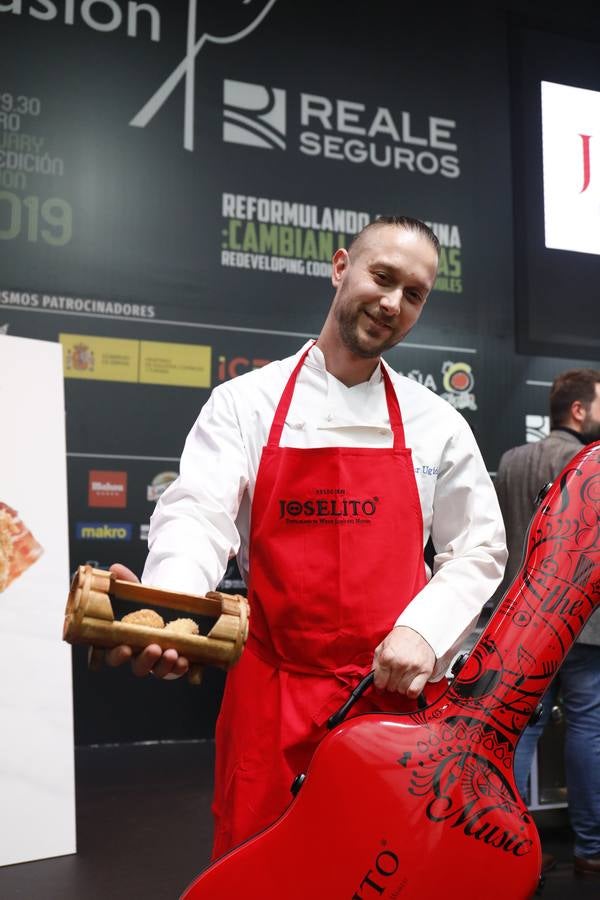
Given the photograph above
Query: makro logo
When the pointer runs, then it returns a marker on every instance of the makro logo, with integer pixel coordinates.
(103, 531)
(107, 488)
(341, 130)
(253, 114)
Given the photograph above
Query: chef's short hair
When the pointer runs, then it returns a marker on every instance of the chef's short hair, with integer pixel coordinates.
(569, 386)
(406, 222)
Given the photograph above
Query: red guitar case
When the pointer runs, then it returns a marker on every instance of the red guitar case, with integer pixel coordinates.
(425, 805)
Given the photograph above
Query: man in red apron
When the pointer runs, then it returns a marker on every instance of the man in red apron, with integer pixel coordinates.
(317, 610)
(323, 524)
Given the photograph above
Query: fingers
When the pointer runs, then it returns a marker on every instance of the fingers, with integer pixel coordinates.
(116, 656)
(392, 675)
(417, 686)
(403, 662)
(151, 659)
(123, 573)
(168, 664)
(143, 662)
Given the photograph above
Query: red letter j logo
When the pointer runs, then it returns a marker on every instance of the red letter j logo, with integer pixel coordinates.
(586, 160)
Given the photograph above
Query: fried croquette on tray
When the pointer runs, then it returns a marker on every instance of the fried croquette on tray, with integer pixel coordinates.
(182, 626)
(144, 617)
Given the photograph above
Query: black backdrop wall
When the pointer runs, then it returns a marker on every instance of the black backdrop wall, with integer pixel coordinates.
(174, 178)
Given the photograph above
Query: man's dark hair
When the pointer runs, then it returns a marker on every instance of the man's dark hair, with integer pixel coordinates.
(569, 386)
(401, 222)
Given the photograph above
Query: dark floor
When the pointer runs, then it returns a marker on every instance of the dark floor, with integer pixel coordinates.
(144, 831)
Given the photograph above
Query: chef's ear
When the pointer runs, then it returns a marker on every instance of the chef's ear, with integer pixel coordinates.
(339, 265)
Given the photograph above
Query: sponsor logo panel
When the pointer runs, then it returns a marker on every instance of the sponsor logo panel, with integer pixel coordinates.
(457, 380)
(232, 366)
(181, 365)
(103, 531)
(143, 362)
(99, 358)
(159, 484)
(107, 488)
(254, 115)
(350, 132)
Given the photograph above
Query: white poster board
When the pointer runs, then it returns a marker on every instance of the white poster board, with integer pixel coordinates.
(36, 746)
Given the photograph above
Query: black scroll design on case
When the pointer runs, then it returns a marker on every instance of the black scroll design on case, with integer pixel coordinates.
(463, 767)
(463, 775)
(544, 609)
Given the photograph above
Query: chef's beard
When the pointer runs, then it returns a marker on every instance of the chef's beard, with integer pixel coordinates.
(348, 328)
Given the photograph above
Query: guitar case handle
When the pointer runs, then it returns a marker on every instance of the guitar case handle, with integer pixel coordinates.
(358, 691)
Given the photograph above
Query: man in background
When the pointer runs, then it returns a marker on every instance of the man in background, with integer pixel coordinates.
(522, 472)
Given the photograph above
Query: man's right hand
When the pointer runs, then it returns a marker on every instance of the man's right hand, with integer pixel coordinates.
(168, 664)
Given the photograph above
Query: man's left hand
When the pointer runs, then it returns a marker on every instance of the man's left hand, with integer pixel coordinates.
(403, 662)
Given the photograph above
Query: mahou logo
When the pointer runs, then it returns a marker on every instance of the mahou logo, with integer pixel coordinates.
(107, 488)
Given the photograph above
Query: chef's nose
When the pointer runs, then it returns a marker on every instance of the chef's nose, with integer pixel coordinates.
(391, 302)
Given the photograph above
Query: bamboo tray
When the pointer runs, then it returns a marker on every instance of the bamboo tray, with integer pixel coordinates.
(89, 619)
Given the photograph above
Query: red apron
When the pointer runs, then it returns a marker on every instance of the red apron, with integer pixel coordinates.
(336, 554)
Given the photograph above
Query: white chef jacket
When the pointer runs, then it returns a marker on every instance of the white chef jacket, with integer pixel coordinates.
(203, 518)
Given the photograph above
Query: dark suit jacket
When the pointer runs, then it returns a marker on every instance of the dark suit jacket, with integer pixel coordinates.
(522, 473)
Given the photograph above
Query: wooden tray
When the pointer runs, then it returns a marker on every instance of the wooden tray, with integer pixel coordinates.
(89, 619)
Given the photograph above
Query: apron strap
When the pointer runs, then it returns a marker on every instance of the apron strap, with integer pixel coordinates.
(283, 406)
(393, 410)
(284, 402)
